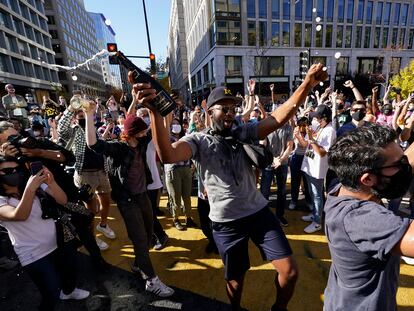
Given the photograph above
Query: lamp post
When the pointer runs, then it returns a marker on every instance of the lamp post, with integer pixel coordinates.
(146, 26)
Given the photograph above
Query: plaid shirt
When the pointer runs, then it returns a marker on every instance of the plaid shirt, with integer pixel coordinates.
(66, 132)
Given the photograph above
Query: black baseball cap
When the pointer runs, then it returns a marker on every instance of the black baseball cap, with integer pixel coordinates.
(322, 111)
(220, 93)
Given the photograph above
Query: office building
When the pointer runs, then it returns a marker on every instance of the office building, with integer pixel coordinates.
(231, 41)
(26, 49)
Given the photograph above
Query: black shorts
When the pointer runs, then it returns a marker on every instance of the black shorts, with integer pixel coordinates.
(232, 241)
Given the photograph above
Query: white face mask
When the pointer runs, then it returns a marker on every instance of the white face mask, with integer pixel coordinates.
(176, 128)
(315, 124)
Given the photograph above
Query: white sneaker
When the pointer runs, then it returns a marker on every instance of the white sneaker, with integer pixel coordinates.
(101, 244)
(106, 231)
(157, 287)
(408, 260)
(308, 218)
(313, 227)
(77, 294)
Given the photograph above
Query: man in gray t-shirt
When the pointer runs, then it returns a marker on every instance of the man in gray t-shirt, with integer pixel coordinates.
(366, 239)
(238, 210)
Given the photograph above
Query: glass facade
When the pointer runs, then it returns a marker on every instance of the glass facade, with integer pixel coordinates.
(269, 66)
(387, 13)
(275, 9)
(308, 35)
(348, 37)
(361, 6)
(309, 8)
(233, 65)
(358, 37)
(262, 33)
(298, 10)
(328, 38)
(370, 6)
(350, 11)
(341, 10)
(286, 9)
(298, 35)
(251, 33)
(339, 35)
(275, 34)
(330, 11)
(251, 8)
(286, 34)
(342, 66)
(367, 39)
(378, 18)
(262, 8)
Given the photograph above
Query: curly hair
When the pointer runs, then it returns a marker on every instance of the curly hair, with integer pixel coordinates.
(359, 151)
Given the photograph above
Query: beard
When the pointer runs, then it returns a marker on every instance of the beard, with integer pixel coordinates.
(219, 127)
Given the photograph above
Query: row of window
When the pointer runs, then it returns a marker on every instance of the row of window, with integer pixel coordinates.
(304, 10)
(19, 7)
(24, 29)
(26, 69)
(204, 75)
(228, 33)
(71, 10)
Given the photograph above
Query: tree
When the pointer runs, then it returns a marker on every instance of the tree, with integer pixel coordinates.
(404, 80)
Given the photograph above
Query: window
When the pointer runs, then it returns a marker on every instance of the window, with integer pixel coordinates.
(38, 72)
(46, 73)
(369, 65)
(251, 8)
(206, 77)
(309, 8)
(320, 8)
(14, 4)
(358, 39)
(411, 39)
(18, 26)
(33, 52)
(51, 20)
(28, 67)
(298, 35)
(286, 9)
(251, 33)
(385, 38)
(298, 10)
(34, 18)
(412, 17)
(275, 34)
(377, 37)
(3, 63)
(394, 37)
(5, 20)
(233, 65)
(341, 10)
(339, 36)
(12, 43)
(395, 65)
(342, 65)
(370, 5)
(360, 17)
(269, 66)
(367, 39)
(350, 15)
(348, 36)
(23, 50)
(319, 38)
(330, 11)
(380, 6)
(328, 38)
(275, 9)
(387, 13)
(404, 15)
(308, 35)
(262, 33)
(17, 66)
(25, 11)
(402, 37)
(397, 9)
(262, 8)
(228, 32)
(286, 34)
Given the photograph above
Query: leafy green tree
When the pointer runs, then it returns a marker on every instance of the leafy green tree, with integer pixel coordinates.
(404, 80)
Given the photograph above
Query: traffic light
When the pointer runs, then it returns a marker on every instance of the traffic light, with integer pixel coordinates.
(153, 63)
(112, 47)
(304, 61)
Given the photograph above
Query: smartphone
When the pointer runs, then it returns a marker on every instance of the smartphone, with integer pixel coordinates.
(35, 167)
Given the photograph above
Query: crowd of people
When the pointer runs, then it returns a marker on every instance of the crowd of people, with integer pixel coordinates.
(63, 163)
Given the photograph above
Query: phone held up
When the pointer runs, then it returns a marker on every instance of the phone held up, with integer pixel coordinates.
(35, 167)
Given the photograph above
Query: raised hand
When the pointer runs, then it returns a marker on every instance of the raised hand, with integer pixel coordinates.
(315, 75)
(251, 86)
(349, 84)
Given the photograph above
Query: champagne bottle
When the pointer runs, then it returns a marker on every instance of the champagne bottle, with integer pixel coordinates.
(163, 103)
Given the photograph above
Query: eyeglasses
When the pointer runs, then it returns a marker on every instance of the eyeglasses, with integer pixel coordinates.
(9, 170)
(401, 163)
(226, 109)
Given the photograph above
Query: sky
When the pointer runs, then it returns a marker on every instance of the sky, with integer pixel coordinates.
(127, 20)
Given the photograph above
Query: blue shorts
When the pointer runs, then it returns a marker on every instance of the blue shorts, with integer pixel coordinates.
(232, 241)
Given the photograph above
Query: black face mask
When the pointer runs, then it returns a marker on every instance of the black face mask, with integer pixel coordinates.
(394, 186)
(82, 123)
(340, 106)
(358, 116)
(13, 180)
(387, 111)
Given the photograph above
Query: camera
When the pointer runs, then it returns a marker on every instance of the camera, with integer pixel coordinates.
(19, 141)
(310, 154)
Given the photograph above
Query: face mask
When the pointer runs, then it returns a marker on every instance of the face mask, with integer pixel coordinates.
(176, 128)
(253, 120)
(394, 186)
(387, 111)
(37, 133)
(14, 179)
(315, 124)
(340, 106)
(358, 116)
(82, 123)
(147, 120)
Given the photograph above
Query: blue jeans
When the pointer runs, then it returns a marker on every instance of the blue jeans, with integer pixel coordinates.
(266, 182)
(296, 176)
(315, 187)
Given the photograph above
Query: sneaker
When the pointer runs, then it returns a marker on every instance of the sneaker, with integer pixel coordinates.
(308, 218)
(106, 231)
(292, 206)
(157, 287)
(313, 227)
(161, 243)
(283, 221)
(101, 244)
(190, 223)
(178, 225)
(8, 264)
(77, 294)
(408, 260)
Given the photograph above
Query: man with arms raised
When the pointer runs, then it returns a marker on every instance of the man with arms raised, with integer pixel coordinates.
(238, 210)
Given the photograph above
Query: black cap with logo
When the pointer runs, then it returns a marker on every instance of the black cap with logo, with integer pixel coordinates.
(220, 93)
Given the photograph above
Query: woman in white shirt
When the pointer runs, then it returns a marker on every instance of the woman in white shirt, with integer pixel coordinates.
(34, 238)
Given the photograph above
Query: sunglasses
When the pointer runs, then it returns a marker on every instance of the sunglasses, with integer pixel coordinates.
(226, 109)
(9, 170)
(401, 163)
